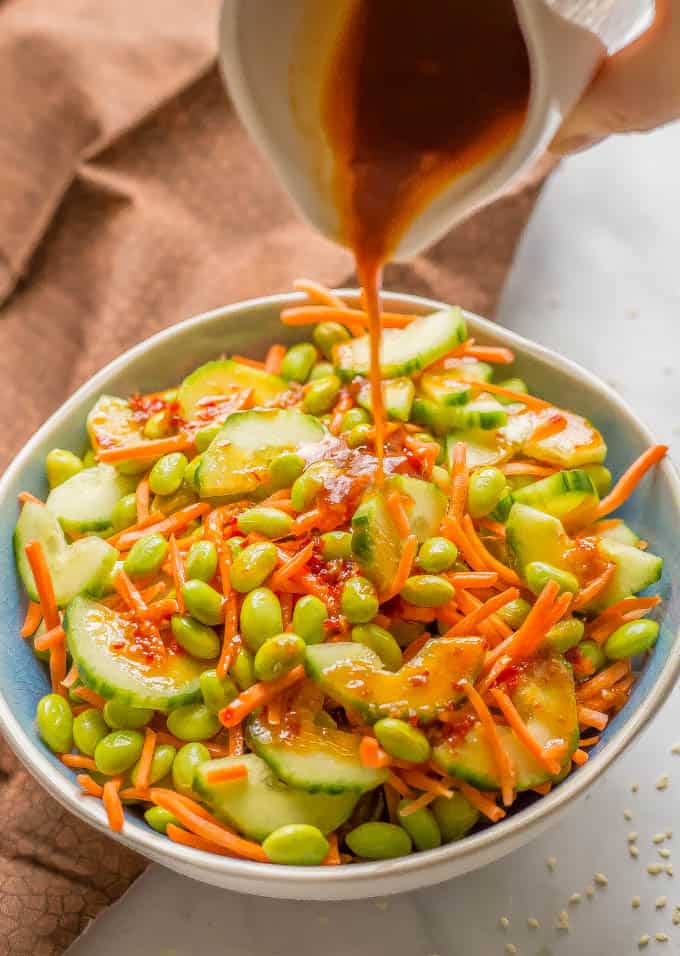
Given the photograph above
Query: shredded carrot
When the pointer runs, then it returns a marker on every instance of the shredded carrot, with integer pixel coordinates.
(503, 572)
(258, 695)
(185, 838)
(146, 449)
(274, 359)
(79, 762)
(579, 757)
(418, 804)
(319, 293)
(395, 506)
(459, 482)
(88, 785)
(406, 559)
(473, 579)
(518, 468)
(416, 645)
(178, 572)
(543, 789)
(552, 425)
(146, 759)
(372, 755)
(471, 621)
(143, 499)
(71, 677)
(342, 406)
(630, 479)
(236, 741)
(398, 785)
(451, 528)
(135, 793)
(411, 612)
(129, 593)
(496, 355)
(354, 319)
(530, 401)
(160, 610)
(291, 567)
(32, 619)
(333, 856)
(58, 668)
(230, 642)
(175, 522)
(588, 717)
(522, 732)
(140, 525)
(502, 760)
(605, 525)
(112, 804)
(420, 781)
(43, 584)
(479, 800)
(237, 771)
(50, 639)
(590, 592)
(253, 363)
(603, 681)
(589, 741)
(495, 527)
(92, 698)
(25, 496)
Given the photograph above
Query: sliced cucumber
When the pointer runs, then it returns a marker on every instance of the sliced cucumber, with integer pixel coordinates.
(376, 543)
(483, 413)
(577, 444)
(236, 463)
(86, 501)
(621, 533)
(635, 570)
(468, 368)
(83, 566)
(221, 377)
(445, 388)
(404, 351)
(532, 535)
(428, 505)
(398, 395)
(112, 423)
(313, 758)
(105, 647)
(545, 698)
(258, 804)
(483, 448)
(430, 682)
(560, 494)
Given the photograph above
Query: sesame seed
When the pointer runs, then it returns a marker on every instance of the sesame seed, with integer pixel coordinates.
(627, 814)
(660, 902)
(669, 834)
(563, 920)
(575, 898)
(654, 869)
(382, 905)
(662, 782)
(533, 923)
(552, 863)
(635, 902)
(632, 836)
(664, 852)
(633, 850)
(635, 788)
(601, 879)
(676, 919)
(504, 922)
(643, 941)
(675, 749)
(669, 869)
(323, 919)
(590, 891)
(658, 838)
(662, 937)
(510, 948)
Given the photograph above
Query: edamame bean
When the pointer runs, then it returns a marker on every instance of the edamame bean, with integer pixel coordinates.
(197, 639)
(593, 653)
(297, 844)
(55, 723)
(193, 722)
(379, 841)
(253, 565)
(201, 562)
(120, 716)
(168, 473)
(485, 489)
(601, 477)
(441, 478)
(538, 573)
(437, 554)
(309, 616)
(514, 614)
(161, 764)
(158, 819)
(565, 634)
(320, 395)
(328, 334)
(455, 816)
(399, 739)
(261, 617)
(124, 512)
(118, 751)
(285, 469)
(146, 555)
(203, 602)
(89, 458)
(88, 729)
(279, 655)
(381, 642)
(242, 669)
(205, 437)
(405, 631)
(635, 637)
(336, 545)
(236, 544)
(188, 758)
(60, 465)
(358, 601)
(421, 826)
(427, 590)
(353, 417)
(217, 693)
(190, 472)
(270, 522)
(157, 425)
(320, 370)
(358, 436)
(306, 488)
(297, 362)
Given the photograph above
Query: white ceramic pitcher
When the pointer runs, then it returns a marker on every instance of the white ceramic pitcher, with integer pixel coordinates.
(274, 56)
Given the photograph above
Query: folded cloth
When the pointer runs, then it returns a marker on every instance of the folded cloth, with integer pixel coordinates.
(131, 198)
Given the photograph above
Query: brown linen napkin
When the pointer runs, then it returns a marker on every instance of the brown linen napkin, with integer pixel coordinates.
(130, 198)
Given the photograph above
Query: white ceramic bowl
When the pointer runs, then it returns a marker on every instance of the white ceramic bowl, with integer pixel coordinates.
(249, 327)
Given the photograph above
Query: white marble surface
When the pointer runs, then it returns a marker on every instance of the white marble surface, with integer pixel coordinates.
(597, 278)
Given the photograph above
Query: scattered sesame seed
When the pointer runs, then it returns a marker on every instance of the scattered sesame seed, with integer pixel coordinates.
(635, 902)
(575, 898)
(563, 920)
(323, 919)
(635, 788)
(660, 902)
(510, 948)
(669, 869)
(382, 905)
(627, 814)
(669, 834)
(658, 838)
(662, 937)
(662, 782)
(643, 941)
(533, 923)
(665, 853)
(552, 863)
(654, 869)
(590, 891)
(632, 836)
(601, 879)
(676, 919)
(675, 749)
(504, 922)
(633, 850)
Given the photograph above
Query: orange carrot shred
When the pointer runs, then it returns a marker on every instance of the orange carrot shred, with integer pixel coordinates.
(418, 804)
(579, 757)
(529, 400)
(143, 498)
(503, 572)
(630, 479)
(185, 838)
(515, 468)
(253, 363)
(588, 593)
(319, 293)
(496, 355)
(501, 757)
(32, 619)
(396, 783)
(291, 567)
(522, 732)
(587, 717)
(479, 800)
(274, 359)
(258, 695)
(145, 449)
(395, 506)
(333, 856)
(175, 522)
(459, 483)
(237, 771)
(88, 785)
(43, 583)
(553, 425)
(470, 622)
(112, 804)
(236, 741)
(50, 639)
(408, 556)
(25, 496)
(78, 762)
(342, 406)
(146, 759)
(92, 698)
(178, 572)
(602, 681)
(372, 755)
(420, 781)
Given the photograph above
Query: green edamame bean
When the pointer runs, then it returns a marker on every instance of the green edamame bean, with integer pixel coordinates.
(538, 573)
(89, 458)
(381, 642)
(161, 764)
(320, 395)
(601, 477)
(279, 655)
(205, 437)
(441, 478)
(236, 544)
(514, 614)
(197, 639)
(253, 565)
(405, 631)
(157, 425)
(120, 716)
(260, 618)
(55, 723)
(297, 362)
(158, 819)
(203, 602)
(168, 473)
(242, 670)
(306, 488)
(190, 472)
(635, 637)
(592, 652)
(485, 489)
(328, 334)
(399, 739)
(336, 545)
(358, 601)
(515, 385)
(88, 729)
(193, 722)
(61, 465)
(353, 417)
(146, 555)
(201, 562)
(118, 751)
(358, 436)
(379, 841)
(285, 469)
(565, 634)
(320, 370)
(309, 616)
(217, 693)
(455, 816)
(421, 826)
(270, 522)
(124, 513)
(297, 844)
(188, 758)
(437, 554)
(427, 590)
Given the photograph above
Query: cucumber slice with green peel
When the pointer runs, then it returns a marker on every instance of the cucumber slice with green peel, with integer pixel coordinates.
(484, 413)
(258, 804)
(313, 758)
(560, 494)
(237, 461)
(427, 504)
(105, 647)
(404, 351)
(430, 682)
(580, 443)
(533, 535)
(219, 378)
(444, 388)
(635, 571)
(398, 395)
(83, 566)
(111, 423)
(621, 533)
(545, 698)
(86, 501)
(468, 368)
(376, 542)
(483, 448)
